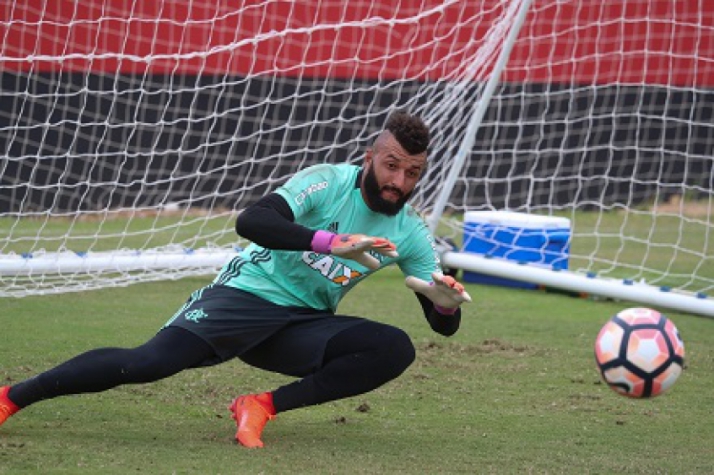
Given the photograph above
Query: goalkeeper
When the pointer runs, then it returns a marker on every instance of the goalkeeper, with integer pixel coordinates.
(273, 306)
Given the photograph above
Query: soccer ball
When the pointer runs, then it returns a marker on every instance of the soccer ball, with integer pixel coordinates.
(639, 353)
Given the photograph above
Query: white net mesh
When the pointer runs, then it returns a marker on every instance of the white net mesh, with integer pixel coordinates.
(140, 128)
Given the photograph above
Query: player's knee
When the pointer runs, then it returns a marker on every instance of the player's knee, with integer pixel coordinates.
(397, 352)
(381, 351)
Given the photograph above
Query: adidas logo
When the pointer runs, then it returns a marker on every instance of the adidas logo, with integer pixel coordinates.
(333, 227)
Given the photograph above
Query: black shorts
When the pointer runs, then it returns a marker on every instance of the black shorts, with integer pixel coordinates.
(289, 340)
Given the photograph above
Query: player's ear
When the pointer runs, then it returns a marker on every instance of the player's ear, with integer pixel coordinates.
(368, 154)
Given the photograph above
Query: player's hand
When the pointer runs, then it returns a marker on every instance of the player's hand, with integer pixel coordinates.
(444, 291)
(356, 247)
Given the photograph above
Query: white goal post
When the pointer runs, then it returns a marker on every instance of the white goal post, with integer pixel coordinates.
(133, 132)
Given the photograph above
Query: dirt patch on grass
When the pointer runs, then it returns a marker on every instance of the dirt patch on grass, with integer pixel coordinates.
(689, 208)
(489, 346)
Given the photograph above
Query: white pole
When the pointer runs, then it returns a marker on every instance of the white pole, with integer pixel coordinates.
(475, 122)
(70, 263)
(616, 289)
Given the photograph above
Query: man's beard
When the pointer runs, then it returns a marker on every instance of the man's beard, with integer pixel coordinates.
(374, 195)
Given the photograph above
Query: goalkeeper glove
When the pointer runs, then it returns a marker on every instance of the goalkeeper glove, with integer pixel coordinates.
(445, 292)
(355, 247)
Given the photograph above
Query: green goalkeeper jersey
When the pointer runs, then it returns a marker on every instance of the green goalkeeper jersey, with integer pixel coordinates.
(328, 197)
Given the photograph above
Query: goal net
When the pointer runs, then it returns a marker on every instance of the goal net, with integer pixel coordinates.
(133, 132)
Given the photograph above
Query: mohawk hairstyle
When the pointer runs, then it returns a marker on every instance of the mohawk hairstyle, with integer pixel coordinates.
(409, 130)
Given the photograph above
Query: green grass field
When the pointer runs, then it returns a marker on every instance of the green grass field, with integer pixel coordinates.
(515, 391)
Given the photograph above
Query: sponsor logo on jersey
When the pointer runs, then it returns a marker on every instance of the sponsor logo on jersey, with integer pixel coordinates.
(330, 268)
(302, 196)
(437, 257)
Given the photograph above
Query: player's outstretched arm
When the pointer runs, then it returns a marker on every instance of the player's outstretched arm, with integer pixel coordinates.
(355, 247)
(444, 291)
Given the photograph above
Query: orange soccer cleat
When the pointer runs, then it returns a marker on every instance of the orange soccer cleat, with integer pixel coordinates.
(7, 407)
(251, 413)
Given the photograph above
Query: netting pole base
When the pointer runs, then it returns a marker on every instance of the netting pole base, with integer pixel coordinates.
(610, 288)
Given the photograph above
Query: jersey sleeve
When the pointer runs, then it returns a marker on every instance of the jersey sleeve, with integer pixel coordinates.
(421, 257)
(309, 189)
